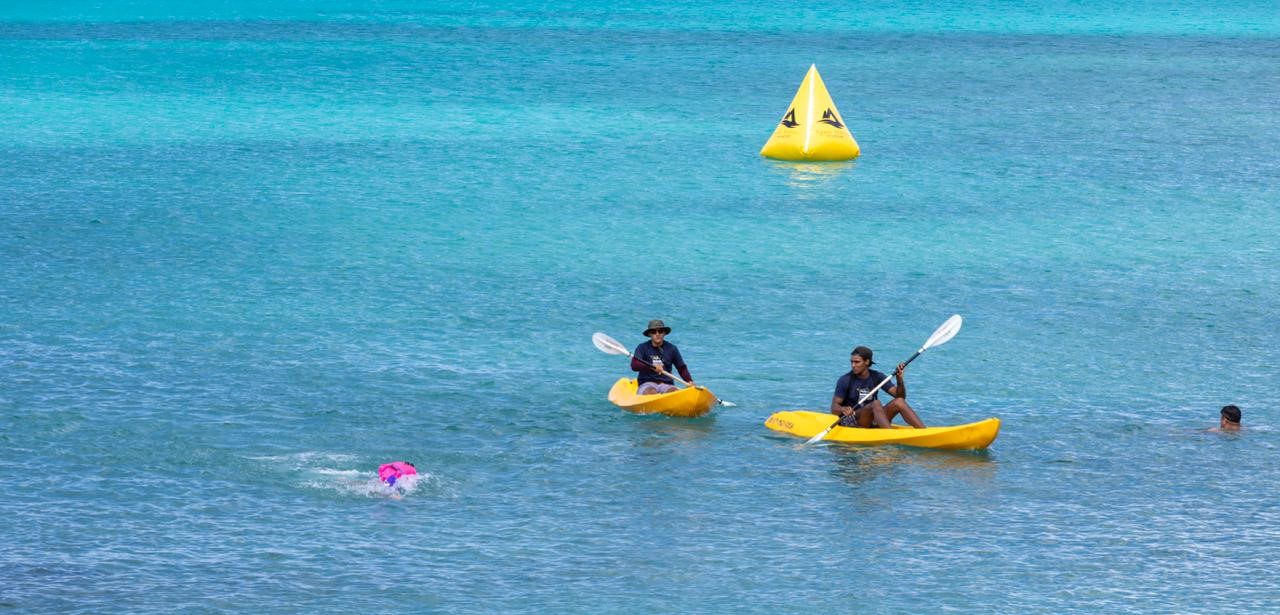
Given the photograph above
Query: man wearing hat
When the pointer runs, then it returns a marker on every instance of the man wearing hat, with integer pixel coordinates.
(860, 380)
(653, 358)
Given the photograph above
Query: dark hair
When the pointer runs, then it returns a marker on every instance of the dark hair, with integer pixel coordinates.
(1231, 413)
(863, 352)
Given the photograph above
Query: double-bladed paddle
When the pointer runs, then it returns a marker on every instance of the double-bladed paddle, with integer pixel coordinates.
(609, 345)
(944, 334)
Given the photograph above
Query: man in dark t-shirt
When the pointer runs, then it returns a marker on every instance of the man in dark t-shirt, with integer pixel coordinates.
(653, 360)
(860, 380)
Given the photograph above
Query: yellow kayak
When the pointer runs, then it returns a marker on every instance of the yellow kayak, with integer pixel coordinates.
(694, 401)
(807, 424)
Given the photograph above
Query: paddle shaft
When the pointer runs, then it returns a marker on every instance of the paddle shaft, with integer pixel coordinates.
(864, 398)
(940, 336)
(611, 346)
(868, 394)
(660, 370)
(677, 379)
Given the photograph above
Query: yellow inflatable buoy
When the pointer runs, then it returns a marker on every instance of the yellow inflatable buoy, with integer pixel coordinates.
(811, 129)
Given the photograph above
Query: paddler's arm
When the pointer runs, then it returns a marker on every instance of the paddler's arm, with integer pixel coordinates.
(899, 391)
(638, 365)
(681, 367)
(684, 373)
(838, 408)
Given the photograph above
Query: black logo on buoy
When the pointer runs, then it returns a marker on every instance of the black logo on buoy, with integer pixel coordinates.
(789, 120)
(829, 117)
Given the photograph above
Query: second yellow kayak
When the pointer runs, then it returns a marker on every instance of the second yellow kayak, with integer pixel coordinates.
(693, 401)
(807, 424)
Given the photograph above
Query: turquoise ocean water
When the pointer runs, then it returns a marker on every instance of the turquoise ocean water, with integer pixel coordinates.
(250, 252)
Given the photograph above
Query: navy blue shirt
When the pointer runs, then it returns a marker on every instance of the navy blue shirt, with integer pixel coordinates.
(664, 357)
(852, 389)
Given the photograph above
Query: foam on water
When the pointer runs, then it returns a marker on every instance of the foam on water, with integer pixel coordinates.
(334, 472)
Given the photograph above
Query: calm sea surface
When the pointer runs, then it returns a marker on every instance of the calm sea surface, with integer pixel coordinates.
(248, 253)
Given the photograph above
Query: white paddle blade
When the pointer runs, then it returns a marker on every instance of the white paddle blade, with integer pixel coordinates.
(608, 344)
(944, 333)
(727, 404)
(822, 434)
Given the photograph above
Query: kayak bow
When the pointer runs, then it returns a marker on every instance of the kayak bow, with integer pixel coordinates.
(693, 401)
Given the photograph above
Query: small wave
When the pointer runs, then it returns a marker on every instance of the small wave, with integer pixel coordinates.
(365, 485)
(298, 461)
(333, 472)
(340, 473)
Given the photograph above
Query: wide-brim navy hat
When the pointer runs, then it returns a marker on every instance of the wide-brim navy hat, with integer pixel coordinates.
(656, 325)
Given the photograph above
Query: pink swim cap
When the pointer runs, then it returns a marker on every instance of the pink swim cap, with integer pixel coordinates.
(395, 470)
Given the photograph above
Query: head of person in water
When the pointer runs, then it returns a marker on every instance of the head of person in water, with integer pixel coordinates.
(1230, 420)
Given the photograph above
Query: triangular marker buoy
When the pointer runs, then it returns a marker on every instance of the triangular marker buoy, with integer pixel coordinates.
(811, 129)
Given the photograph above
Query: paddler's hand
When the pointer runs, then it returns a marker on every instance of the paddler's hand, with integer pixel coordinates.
(898, 372)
